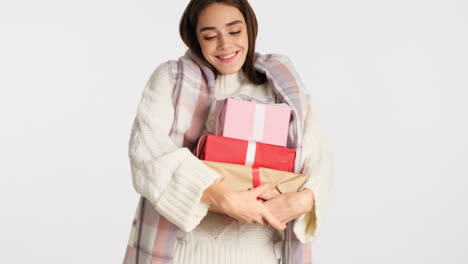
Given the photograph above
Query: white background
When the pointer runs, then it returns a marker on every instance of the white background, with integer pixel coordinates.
(389, 80)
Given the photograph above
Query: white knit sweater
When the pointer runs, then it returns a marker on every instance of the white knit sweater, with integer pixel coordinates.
(208, 237)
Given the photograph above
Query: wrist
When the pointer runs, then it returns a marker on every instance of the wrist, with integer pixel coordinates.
(214, 194)
(209, 193)
(307, 200)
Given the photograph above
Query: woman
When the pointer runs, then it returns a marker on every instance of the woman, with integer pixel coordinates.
(172, 224)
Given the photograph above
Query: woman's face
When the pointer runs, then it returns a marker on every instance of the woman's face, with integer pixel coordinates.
(222, 34)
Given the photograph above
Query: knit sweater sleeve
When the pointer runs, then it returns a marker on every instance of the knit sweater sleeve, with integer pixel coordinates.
(170, 177)
(317, 165)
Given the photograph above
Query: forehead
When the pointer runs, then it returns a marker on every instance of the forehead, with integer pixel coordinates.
(218, 15)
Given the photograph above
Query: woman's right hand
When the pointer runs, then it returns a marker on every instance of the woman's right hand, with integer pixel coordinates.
(242, 206)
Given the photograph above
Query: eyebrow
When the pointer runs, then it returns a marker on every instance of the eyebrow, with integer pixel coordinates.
(228, 24)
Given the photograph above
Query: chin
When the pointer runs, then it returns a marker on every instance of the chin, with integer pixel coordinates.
(229, 71)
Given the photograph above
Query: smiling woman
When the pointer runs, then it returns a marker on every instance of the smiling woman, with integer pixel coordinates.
(223, 45)
(220, 28)
(172, 223)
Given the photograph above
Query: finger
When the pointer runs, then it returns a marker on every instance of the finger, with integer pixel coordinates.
(261, 221)
(273, 221)
(266, 196)
(260, 190)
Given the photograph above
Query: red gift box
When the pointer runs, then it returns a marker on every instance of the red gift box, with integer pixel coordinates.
(237, 151)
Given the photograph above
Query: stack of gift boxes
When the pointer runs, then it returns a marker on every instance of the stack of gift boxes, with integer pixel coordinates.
(248, 147)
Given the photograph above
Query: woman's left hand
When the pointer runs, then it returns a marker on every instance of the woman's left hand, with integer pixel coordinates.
(289, 206)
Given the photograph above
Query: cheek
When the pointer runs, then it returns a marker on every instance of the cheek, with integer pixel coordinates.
(206, 47)
(245, 40)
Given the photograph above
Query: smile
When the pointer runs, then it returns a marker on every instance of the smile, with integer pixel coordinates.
(228, 57)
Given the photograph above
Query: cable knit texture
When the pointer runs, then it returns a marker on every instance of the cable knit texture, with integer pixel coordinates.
(208, 237)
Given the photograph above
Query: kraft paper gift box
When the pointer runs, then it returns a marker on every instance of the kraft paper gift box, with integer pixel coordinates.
(238, 151)
(242, 178)
(252, 121)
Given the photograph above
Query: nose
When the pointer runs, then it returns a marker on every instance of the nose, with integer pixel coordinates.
(223, 42)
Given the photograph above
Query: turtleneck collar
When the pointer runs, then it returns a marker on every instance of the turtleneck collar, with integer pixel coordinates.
(228, 84)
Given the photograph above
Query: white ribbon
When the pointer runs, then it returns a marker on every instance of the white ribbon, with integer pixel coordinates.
(259, 122)
(250, 156)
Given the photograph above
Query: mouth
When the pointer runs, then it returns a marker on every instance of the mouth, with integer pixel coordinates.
(226, 58)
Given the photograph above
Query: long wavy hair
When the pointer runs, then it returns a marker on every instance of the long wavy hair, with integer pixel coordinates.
(188, 25)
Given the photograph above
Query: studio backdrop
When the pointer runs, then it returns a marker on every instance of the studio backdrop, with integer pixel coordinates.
(389, 85)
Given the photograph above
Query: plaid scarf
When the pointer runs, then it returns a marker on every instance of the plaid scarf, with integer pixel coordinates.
(153, 237)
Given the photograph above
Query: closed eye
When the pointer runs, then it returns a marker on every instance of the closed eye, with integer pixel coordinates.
(232, 33)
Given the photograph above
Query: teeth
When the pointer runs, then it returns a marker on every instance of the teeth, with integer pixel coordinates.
(228, 56)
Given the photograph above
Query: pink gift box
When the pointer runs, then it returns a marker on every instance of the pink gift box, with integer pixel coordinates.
(252, 121)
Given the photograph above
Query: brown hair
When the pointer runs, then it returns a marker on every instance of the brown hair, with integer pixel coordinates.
(187, 30)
